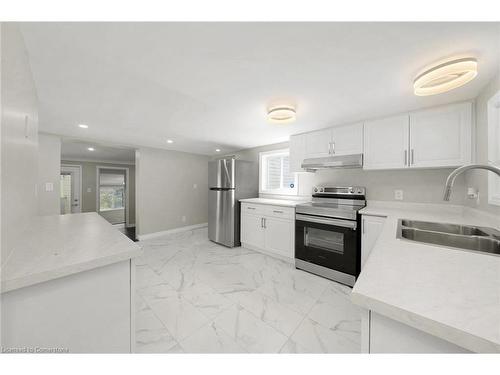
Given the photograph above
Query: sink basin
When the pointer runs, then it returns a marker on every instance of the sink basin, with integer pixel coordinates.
(486, 240)
(444, 228)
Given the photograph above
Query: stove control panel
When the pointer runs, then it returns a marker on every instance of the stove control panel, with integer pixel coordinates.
(344, 190)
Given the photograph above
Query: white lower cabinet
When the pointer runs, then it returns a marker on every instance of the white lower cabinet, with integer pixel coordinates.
(381, 334)
(271, 229)
(371, 227)
(279, 236)
(252, 230)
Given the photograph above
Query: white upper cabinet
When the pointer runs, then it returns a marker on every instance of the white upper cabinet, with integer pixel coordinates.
(339, 140)
(347, 139)
(441, 137)
(318, 143)
(297, 152)
(433, 138)
(386, 143)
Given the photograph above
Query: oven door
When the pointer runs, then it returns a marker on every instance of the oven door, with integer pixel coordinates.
(328, 242)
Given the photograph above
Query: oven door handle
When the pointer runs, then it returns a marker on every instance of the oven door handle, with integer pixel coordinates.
(327, 221)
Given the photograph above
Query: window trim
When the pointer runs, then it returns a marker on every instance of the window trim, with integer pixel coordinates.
(493, 107)
(98, 193)
(262, 155)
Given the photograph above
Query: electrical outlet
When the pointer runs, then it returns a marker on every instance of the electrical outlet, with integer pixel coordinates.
(398, 195)
(89, 190)
(183, 219)
(49, 186)
(195, 186)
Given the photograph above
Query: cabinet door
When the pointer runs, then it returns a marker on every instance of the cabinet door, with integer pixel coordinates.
(297, 152)
(371, 229)
(252, 230)
(279, 236)
(386, 143)
(441, 137)
(318, 143)
(348, 139)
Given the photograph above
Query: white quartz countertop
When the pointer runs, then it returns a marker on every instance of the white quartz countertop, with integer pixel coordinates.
(449, 293)
(61, 245)
(274, 202)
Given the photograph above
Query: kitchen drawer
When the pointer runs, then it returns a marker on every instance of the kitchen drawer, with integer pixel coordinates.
(253, 209)
(281, 212)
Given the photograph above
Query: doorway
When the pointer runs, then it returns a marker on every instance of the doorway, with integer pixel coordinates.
(71, 189)
(113, 194)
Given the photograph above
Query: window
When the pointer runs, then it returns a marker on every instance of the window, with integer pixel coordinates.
(111, 190)
(274, 173)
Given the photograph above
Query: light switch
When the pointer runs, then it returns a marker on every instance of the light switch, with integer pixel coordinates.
(49, 186)
(195, 186)
(398, 195)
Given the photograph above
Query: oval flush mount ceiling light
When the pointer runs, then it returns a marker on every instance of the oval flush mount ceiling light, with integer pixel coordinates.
(445, 77)
(281, 114)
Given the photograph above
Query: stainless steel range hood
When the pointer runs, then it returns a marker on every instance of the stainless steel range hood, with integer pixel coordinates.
(330, 162)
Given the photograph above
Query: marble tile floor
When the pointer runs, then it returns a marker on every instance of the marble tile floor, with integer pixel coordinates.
(194, 296)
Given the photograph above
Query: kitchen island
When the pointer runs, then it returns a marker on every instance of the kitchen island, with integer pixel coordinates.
(419, 297)
(68, 285)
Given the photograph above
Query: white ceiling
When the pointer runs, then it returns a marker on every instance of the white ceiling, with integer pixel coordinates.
(207, 85)
(77, 149)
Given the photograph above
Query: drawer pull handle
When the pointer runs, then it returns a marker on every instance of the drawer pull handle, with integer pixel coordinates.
(278, 212)
(251, 208)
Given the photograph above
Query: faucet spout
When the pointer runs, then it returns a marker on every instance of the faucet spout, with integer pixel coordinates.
(453, 175)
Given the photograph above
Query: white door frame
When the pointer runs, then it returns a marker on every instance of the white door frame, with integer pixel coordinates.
(79, 187)
(126, 169)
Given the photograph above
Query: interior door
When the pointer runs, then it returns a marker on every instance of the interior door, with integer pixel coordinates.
(74, 196)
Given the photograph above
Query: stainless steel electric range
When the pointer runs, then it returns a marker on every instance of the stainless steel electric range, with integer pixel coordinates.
(328, 233)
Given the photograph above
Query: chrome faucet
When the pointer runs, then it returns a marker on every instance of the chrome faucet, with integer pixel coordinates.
(451, 178)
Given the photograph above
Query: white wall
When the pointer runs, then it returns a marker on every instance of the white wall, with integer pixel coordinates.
(165, 192)
(421, 186)
(479, 178)
(49, 170)
(19, 138)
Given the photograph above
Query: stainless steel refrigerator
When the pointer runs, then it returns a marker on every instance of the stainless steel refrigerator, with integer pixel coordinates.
(229, 180)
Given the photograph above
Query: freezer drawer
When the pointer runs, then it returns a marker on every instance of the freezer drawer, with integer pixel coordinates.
(222, 217)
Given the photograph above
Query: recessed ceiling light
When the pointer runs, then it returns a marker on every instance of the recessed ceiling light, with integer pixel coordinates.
(83, 126)
(217, 150)
(90, 148)
(170, 141)
(281, 114)
(445, 77)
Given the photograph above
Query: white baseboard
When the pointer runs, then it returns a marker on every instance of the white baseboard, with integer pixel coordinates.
(149, 236)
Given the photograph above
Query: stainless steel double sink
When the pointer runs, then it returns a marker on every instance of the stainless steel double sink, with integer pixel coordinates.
(481, 239)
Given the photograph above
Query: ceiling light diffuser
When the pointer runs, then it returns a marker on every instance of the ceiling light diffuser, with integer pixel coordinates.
(217, 150)
(90, 148)
(281, 114)
(170, 141)
(445, 77)
(83, 126)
